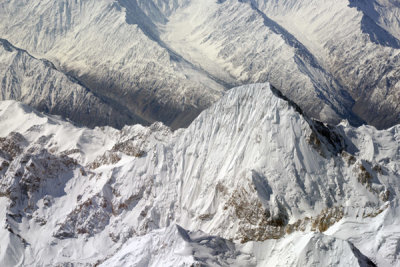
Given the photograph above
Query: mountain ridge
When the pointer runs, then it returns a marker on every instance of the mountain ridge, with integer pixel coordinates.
(38, 83)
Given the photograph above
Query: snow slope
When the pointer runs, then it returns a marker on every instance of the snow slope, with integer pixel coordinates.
(182, 248)
(250, 169)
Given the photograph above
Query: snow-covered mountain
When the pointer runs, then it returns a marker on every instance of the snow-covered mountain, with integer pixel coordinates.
(167, 60)
(250, 182)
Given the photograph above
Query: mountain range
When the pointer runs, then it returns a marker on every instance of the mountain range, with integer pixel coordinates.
(168, 60)
(200, 133)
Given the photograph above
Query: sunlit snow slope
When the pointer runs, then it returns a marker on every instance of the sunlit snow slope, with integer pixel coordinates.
(250, 182)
